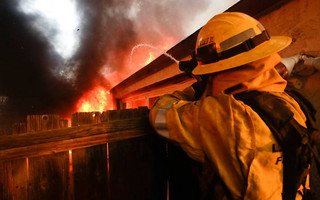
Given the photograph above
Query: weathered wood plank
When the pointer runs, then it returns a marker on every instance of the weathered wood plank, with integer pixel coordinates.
(48, 177)
(63, 123)
(13, 179)
(19, 128)
(65, 145)
(6, 183)
(174, 81)
(7, 142)
(137, 169)
(90, 173)
(19, 177)
(112, 115)
(81, 118)
(42, 122)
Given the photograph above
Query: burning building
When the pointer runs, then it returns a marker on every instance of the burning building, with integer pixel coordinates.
(163, 75)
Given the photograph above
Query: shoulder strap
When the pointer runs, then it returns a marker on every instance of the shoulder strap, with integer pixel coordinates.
(310, 112)
(290, 135)
(271, 110)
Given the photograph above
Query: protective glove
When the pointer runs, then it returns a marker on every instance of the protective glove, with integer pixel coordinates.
(290, 62)
(311, 61)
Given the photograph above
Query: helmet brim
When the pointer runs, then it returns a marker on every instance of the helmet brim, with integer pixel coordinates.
(273, 45)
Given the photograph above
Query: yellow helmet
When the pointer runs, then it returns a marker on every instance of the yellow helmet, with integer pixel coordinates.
(232, 39)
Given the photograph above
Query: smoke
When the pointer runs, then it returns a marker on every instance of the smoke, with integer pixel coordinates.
(106, 37)
(36, 79)
(26, 59)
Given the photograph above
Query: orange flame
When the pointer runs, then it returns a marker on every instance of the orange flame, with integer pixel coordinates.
(145, 55)
(97, 99)
(150, 59)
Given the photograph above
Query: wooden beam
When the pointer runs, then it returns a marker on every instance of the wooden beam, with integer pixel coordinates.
(73, 133)
(177, 79)
(257, 9)
(70, 144)
(158, 91)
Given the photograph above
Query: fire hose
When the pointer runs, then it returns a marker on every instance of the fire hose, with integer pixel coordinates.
(289, 63)
(306, 60)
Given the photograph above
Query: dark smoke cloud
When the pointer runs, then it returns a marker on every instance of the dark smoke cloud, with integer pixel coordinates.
(26, 59)
(108, 33)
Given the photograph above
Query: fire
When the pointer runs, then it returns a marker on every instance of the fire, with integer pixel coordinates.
(150, 59)
(147, 53)
(97, 99)
(167, 43)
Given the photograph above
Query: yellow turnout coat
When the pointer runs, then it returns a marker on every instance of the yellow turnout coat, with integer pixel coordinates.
(227, 132)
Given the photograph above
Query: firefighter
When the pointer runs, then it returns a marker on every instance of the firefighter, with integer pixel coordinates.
(236, 54)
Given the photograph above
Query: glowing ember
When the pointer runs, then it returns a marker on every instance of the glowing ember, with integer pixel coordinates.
(97, 99)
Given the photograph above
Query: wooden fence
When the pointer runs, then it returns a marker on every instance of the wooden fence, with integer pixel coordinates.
(114, 155)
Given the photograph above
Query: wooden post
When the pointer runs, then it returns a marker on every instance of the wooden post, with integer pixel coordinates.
(90, 172)
(81, 118)
(110, 115)
(113, 115)
(48, 177)
(136, 165)
(63, 123)
(42, 122)
(13, 179)
(19, 128)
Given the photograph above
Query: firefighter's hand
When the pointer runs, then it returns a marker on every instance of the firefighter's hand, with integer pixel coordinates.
(311, 61)
(291, 62)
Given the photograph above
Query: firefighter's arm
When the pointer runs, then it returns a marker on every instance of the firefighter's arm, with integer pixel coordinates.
(163, 103)
(175, 116)
(305, 62)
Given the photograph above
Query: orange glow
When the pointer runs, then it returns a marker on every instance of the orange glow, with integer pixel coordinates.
(145, 55)
(69, 121)
(167, 43)
(70, 173)
(100, 99)
(150, 59)
(140, 57)
(97, 99)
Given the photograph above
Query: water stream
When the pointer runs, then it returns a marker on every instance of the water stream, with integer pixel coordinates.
(153, 47)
